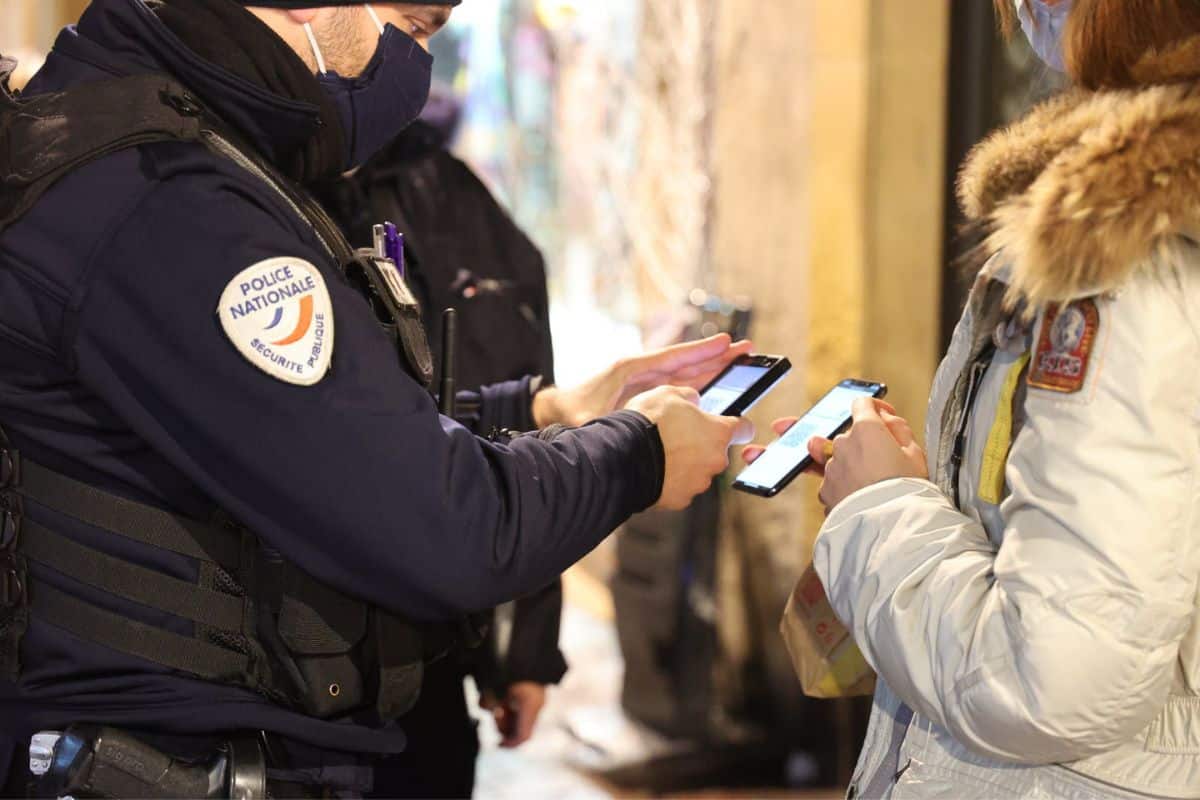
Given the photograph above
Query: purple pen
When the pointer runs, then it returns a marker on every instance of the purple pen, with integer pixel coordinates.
(394, 246)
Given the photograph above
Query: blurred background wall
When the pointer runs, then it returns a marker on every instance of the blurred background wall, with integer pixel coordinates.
(28, 27)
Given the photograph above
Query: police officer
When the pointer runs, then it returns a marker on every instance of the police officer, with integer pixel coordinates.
(228, 501)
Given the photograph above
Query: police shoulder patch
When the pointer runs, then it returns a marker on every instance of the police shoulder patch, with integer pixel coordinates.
(1065, 346)
(279, 316)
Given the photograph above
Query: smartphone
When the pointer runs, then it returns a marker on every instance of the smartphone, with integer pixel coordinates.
(788, 456)
(743, 383)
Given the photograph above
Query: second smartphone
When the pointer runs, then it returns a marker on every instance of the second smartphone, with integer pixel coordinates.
(743, 383)
(788, 456)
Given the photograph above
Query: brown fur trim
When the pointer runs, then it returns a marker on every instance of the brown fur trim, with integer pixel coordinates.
(1175, 64)
(1008, 161)
(1088, 187)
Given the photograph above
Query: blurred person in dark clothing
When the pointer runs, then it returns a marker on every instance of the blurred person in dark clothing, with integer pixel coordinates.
(463, 250)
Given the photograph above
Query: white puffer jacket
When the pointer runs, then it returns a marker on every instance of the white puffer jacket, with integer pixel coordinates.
(1044, 640)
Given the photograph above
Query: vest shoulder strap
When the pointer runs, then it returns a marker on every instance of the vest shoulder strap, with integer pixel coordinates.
(46, 136)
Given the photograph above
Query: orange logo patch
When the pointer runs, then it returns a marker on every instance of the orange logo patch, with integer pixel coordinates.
(1065, 345)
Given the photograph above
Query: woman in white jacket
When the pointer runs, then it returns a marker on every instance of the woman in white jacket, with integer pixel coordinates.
(1028, 593)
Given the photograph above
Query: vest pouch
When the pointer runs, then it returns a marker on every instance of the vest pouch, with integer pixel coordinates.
(396, 309)
(322, 629)
(400, 649)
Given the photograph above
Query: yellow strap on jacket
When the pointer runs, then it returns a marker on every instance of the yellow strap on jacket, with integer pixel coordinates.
(995, 454)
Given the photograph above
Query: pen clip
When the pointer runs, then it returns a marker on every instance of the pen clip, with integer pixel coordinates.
(379, 241)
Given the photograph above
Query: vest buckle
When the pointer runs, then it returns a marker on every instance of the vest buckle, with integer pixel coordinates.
(10, 521)
(12, 583)
(10, 468)
(12, 587)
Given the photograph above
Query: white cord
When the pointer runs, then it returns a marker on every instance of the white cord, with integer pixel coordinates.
(374, 16)
(312, 40)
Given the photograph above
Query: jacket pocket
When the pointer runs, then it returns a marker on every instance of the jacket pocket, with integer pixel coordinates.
(1176, 729)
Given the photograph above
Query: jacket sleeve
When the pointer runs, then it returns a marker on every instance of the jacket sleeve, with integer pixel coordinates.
(1062, 642)
(533, 652)
(522, 643)
(355, 478)
(507, 405)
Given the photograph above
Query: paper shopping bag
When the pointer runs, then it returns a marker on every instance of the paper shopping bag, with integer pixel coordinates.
(824, 656)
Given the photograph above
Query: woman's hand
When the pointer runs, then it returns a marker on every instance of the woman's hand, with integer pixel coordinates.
(780, 426)
(692, 364)
(880, 445)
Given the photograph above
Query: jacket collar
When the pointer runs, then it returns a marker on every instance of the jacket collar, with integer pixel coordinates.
(1091, 186)
(124, 37)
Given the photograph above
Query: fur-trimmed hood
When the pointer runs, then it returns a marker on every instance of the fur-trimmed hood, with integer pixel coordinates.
(1090, 185)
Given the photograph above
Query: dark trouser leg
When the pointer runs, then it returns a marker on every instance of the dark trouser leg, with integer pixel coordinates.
(14, 771)
(442, 743)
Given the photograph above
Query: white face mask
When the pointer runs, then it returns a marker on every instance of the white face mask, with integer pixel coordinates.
(312, 39)
(1043, 25)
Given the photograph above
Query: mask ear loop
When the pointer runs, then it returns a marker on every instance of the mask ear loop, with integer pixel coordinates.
(374, 16)
(312, 40)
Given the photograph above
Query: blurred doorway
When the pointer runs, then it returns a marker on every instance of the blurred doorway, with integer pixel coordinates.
(993, 82)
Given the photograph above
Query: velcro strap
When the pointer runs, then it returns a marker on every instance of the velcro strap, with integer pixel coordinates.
(124, 635)
(56, 131)
(137, 521)
(130, 581)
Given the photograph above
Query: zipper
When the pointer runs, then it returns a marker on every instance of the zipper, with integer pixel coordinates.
(233, 153)
(308, 212)
(979, 368)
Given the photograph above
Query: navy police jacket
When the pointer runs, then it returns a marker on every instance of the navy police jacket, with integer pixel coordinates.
(117, 369)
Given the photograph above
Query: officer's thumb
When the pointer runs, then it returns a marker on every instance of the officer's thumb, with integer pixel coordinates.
(686, 393)
(741, 430)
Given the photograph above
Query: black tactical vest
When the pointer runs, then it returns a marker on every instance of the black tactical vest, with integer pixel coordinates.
(259, 621)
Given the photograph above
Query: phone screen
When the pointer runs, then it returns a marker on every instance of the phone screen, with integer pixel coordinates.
(730, 386)
(824, 419)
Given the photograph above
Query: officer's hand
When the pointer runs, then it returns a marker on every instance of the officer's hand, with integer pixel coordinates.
(781, 426)
(879, 446)
(696, 444)
(692, 364)
(517, 714)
